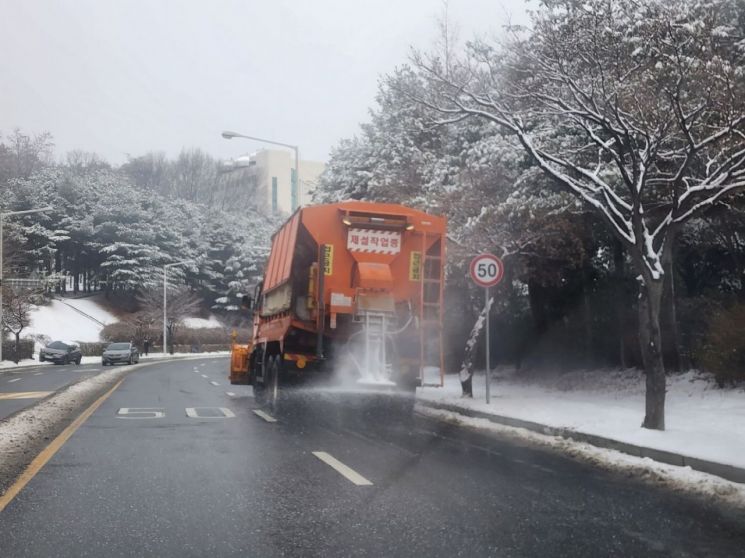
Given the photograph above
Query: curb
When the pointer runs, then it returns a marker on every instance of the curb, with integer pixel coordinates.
(728, 472)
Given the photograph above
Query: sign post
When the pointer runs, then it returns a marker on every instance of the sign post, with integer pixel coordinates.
(486, 271)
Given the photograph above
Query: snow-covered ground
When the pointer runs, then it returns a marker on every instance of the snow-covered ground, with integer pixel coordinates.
(196, 323)
(59, 320)
(92, 307)
(702, 420)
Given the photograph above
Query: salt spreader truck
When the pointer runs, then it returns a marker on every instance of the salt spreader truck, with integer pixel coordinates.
(352, 284)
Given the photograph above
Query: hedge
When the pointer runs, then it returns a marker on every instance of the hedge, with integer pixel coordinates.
(25, 349)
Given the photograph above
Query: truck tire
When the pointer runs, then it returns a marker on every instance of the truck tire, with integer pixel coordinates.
(260, 385)
(272, 380)
(408, 385)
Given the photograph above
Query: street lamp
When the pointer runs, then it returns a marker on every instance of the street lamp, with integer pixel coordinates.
(2, 217)
(231, 135)
(165, 291)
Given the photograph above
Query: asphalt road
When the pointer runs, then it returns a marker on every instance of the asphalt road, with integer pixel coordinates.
(177, 463)
(24, 387)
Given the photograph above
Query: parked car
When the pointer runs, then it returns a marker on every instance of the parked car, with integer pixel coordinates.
(120, 352)
(61, 352)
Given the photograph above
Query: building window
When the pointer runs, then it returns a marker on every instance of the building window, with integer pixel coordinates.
(274, 194)
(293, 189)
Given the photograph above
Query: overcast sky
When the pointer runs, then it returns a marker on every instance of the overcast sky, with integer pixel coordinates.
(124, 77)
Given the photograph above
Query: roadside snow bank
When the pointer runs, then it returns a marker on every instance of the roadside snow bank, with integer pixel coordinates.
(702, 420)
(682, 479)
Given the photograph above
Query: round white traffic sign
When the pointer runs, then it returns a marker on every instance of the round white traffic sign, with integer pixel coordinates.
(486, 270)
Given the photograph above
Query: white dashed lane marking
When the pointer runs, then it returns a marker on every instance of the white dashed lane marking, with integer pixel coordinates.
(262, 414)
(209, 412)
(214, 383)
(347, 472)
(38, 373)
(230, 393)
(205, 376)
(13, 380)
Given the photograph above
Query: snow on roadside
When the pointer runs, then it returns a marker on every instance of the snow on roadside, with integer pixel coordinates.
(702, 420)
(681, 479)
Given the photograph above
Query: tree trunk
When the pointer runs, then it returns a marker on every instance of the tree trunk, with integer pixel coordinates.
(587, 319)
(76, 273)
(680, 362)
(619, 266)
(466, 369)
(650, 340)
(60, 288)
(17, 349)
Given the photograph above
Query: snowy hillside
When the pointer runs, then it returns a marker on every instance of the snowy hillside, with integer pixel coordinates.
(197, 323)
(76, 320)
(83, 319)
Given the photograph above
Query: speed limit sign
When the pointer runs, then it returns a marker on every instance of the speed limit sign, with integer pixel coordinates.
(486, 270)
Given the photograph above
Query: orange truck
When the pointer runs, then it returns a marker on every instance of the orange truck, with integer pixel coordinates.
(354, 288)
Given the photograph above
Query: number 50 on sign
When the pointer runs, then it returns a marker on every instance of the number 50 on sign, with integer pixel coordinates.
(486, 270)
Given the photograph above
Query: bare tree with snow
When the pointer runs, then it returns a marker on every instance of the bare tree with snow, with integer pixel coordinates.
(636, 108)
(17, 304)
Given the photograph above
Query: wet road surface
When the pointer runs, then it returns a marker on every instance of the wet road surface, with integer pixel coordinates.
(179, 463)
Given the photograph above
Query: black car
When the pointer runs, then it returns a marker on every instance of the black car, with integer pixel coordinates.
(61, 352)
(120, 352)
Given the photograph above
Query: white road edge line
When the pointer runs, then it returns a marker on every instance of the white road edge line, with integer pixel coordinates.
(214, 383)
(350, 474)
(262, 414)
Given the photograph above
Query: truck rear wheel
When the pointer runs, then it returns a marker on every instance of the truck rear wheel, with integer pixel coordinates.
(272, 380)
(267, 390)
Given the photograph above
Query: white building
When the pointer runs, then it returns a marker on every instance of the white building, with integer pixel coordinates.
(272, 177)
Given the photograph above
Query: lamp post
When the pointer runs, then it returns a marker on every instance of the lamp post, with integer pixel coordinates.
(231, 135)
(2, 217)
(165, 301)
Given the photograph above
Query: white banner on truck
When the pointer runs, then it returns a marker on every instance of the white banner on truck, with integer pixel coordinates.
(374, 241)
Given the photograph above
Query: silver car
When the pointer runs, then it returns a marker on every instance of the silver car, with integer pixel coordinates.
(120, 352)
(61, 352)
